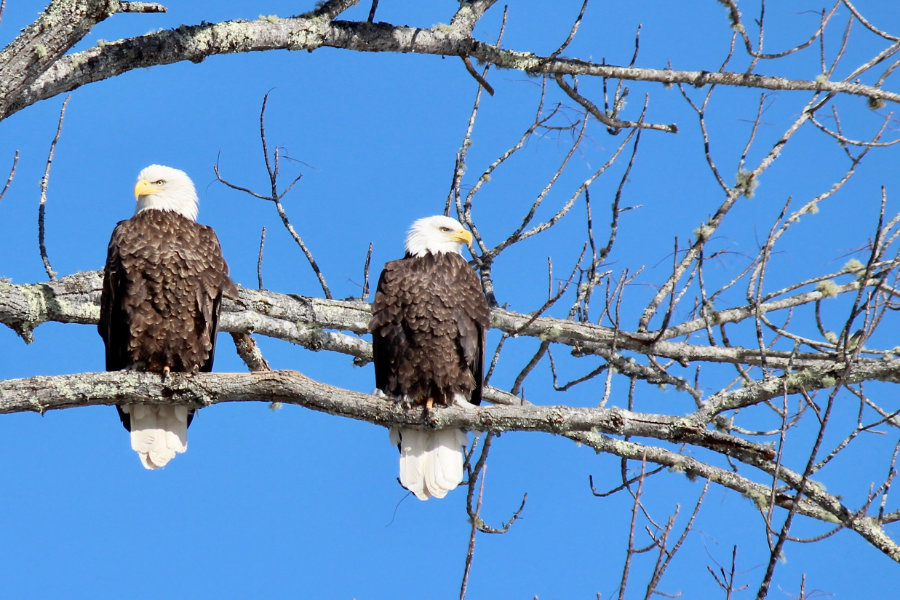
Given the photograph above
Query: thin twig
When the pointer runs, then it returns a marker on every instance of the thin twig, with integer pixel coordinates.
(631, 550)
(259, 261)
(604, 118)
(459, 167)
(332, 8)
(470, 552)
(365, 289)
(12, 174)
(44, 181)
(272, 169)
(477, 76)
(572, 31)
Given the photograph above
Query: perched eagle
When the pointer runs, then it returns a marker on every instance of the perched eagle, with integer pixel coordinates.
(162, 289)
(428, 324)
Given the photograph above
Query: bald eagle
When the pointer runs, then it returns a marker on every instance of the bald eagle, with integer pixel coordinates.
(428, 323)
(159, 308)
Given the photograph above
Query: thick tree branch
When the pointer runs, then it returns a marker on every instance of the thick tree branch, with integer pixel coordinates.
(40, 394)
(42, 43)
(196, 42)
(591, 426)
(306, 321)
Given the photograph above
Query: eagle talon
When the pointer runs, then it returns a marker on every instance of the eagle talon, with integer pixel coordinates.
(428, 417)
(402, 402)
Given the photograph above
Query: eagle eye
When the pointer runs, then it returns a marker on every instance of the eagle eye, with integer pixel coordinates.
(159, 182)
(445, 229)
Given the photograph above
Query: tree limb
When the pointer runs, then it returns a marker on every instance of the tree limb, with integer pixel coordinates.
(306, 321)
(196, 42)
(591, 426)
(43, 393)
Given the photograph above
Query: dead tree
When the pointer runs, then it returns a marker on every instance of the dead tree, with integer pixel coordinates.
(752, 363)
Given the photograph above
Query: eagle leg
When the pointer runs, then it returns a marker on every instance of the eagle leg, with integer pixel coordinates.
(427, 411)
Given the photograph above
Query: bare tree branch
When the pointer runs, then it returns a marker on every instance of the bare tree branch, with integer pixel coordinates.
(141, 7)
(11, 176)
(275, 196)
(606, 119)
(332, 8)
(45, 180)
(40, 394)
(305, 321)
(55, 74)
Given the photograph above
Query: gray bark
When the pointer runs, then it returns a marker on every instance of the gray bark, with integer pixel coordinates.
(33, 67)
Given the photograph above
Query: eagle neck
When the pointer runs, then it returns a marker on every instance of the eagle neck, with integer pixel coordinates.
(186, 207)
(158, 216)
(431, 253)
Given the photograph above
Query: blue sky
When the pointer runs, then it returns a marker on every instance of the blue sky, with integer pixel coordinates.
(291, 502)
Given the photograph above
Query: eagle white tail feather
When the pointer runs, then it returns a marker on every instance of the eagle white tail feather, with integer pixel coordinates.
(431, 462)
(157, 432)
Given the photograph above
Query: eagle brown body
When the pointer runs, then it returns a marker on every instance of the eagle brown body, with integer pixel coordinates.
(428, 324)
(162, 288)
(159, 308)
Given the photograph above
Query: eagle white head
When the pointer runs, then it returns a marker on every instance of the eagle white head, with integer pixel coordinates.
(164, 188)
(433, 235)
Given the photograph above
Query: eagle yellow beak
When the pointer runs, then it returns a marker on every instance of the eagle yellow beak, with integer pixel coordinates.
(463, 236)
(144, 188)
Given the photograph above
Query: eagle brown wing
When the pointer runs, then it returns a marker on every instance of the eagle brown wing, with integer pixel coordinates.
(388, 336)
(473, 320)
(215, 283)
(110, 326)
